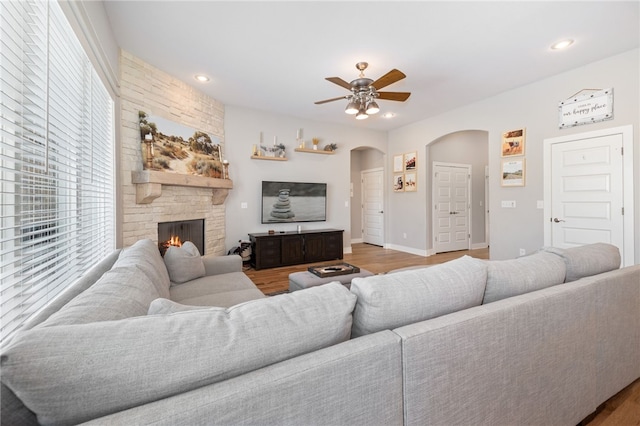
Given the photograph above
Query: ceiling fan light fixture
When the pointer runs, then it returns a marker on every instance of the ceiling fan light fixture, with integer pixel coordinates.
(362, 114)
(372, 107)
(352, 108)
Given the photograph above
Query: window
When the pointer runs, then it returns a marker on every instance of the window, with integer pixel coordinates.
(56, 160)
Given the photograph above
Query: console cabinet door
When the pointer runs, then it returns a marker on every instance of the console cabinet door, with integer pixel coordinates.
(292, 250)
(267, 253)
(333, 245)
(314, 247)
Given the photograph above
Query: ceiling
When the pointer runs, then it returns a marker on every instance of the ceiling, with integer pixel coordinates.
(275, 56)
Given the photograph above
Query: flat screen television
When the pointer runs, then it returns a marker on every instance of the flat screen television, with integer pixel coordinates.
(287, 202)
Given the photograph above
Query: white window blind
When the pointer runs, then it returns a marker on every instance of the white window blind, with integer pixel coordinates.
(56, 160)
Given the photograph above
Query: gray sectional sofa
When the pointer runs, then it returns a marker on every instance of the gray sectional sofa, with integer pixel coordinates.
(542, 339)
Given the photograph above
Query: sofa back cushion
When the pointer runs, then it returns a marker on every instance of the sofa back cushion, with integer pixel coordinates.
(590, 259)
(71, 374)
(392, 300)
(507, 278)
(120, 293)
(145, 255)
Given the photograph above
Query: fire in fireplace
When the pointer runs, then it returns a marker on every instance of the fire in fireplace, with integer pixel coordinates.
(176, 233)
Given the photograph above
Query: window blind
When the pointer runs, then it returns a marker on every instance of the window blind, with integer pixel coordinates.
(56, 160)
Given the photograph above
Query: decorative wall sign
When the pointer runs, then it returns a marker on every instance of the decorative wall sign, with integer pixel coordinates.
(513, 142)
(171, 147)
(586, 106)
(512, 172)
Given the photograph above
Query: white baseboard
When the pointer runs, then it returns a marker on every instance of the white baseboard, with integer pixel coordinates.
(410, 250)
(479, 246)
(357, 241)
(347, 250)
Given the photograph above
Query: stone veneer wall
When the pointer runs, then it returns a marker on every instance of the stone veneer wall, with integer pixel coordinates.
(146, 88)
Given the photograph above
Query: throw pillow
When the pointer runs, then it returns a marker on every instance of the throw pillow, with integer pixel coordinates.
(184, 263)
(393, 300)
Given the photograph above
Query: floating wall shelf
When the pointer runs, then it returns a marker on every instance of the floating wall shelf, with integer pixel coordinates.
(314, 151)
(264, 157)
(149, 185)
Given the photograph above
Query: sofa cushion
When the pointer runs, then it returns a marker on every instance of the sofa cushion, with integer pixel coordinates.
(224, 290)
(120, 293)
(145, 255)
(162, 306)
(587, 260)
(392, 300)
(184, 263)
(70, 374)
(507, 278)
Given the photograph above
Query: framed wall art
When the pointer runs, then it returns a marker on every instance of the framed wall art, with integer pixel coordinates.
(513, 142)
(410, 161)
(410, 182)
(398, 183)
(513, 172)
(398, 163)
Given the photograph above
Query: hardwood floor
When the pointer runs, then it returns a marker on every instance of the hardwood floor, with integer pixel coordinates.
(623, 409)
(372, 258)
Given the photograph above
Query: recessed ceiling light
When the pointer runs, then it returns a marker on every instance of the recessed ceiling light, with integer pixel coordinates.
(388, 115)
(201, 78)
(562, 44)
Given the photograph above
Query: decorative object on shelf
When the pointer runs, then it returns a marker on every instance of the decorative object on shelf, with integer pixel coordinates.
(331, 147)
(315, 141)
(185, 150)
(513, 142)
(254, 150)
(277, 150)
(512, 172)
(300, 139)
(364, 92)
(585, 107)
(225, 169)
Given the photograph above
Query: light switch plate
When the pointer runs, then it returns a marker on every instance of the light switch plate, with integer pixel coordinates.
(508, 204)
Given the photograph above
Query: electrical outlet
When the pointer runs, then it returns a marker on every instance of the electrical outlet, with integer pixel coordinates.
(243, 205)
(522, 252)
(404, 235)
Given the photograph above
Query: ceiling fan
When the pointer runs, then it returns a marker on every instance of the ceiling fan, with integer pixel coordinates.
(364, 92)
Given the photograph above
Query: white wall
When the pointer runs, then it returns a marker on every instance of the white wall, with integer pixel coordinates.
(534, 107)
(242, 130)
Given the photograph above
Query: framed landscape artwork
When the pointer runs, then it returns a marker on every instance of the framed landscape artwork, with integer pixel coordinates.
(174, 148)
(513, 172)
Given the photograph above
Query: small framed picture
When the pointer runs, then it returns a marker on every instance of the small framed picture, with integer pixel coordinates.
(410, 161)
(513, 172)
(410, 184)
(513, 142)
(398, 163)
(398, 183)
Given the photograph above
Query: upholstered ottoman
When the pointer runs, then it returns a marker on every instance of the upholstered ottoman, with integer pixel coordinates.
(302, 280)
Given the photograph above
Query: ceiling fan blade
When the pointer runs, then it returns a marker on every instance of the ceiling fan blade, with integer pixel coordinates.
(394, 96)
(389, 78)
(330, 100)
(339, 82)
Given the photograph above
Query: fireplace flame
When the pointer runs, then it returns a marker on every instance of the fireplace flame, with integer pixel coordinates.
(174, 241)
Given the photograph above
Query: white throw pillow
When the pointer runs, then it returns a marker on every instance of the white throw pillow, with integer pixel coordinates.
(184, 263)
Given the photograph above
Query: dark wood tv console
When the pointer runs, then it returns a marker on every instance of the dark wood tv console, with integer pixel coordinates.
(294, 248)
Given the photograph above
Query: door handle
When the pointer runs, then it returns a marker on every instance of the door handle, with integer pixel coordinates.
(454, 212)
(556, 220)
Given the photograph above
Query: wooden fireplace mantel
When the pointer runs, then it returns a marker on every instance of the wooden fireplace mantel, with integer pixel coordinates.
(149, 185)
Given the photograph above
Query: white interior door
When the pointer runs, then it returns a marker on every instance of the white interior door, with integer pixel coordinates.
(585, 181)
(373, 206)
(451, 198)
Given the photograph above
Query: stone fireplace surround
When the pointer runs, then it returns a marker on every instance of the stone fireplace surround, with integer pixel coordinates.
(144, 87)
